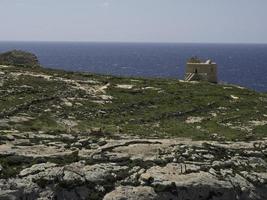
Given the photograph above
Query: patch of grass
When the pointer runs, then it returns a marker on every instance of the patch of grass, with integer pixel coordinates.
(43, 122)
(260, 131)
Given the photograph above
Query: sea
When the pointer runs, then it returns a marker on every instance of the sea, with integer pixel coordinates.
(240, 64)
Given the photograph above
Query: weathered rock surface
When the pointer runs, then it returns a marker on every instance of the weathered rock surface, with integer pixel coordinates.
(132, 193)
(186, 185)
(131, 168)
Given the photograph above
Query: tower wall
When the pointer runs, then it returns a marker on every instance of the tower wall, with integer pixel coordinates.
(207, 72)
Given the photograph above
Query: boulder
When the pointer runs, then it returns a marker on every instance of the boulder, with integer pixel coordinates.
(187, 182)
(104, 172)
(132, 193)
(34, 169)
(9, 195)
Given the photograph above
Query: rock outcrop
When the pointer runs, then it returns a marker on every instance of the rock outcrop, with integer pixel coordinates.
(131, 168)
(132, 193)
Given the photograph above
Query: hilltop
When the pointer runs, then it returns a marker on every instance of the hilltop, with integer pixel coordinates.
(70, 135)
(19, 58)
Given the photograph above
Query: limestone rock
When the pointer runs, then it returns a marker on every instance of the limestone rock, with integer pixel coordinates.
(100, 173)
(132, 168)
(48, 176)
(71, 178)
(132, 193)
(9, 195)
(196, 185)
(36, 169)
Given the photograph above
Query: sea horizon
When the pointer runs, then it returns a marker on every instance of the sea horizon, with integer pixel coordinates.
(243, 64)
(131, 42)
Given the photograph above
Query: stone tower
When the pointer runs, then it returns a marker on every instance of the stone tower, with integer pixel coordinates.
(196, 70)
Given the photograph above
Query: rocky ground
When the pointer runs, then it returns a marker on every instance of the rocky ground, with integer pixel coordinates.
(39, 166)
(66, 135)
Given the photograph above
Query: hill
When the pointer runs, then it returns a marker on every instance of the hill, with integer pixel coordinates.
(68, 135)
(58, 101)
(19, 58)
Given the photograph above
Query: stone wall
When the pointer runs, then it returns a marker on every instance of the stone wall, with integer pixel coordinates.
(207, 72)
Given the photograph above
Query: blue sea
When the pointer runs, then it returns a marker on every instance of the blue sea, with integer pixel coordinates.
(241, 64)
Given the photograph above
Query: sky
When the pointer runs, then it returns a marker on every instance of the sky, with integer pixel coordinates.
(174, 21)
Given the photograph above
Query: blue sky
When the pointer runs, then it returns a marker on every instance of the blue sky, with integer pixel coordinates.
(213, 21)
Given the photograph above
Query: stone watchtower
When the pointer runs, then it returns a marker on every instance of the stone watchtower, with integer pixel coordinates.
(196, 70)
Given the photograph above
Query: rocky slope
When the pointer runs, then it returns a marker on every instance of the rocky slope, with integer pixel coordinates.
(85, 167)
(67, 135)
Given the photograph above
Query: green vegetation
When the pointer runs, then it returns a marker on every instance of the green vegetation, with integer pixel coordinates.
(51, 101)
(194, 59)
(19, 58)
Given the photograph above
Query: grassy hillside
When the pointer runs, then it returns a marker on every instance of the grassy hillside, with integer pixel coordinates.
(52, 101)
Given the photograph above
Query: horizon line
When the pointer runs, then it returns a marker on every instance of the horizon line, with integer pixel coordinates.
(130, 42)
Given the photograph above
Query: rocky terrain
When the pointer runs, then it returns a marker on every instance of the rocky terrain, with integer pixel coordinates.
(66, 135)
(65, 166)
